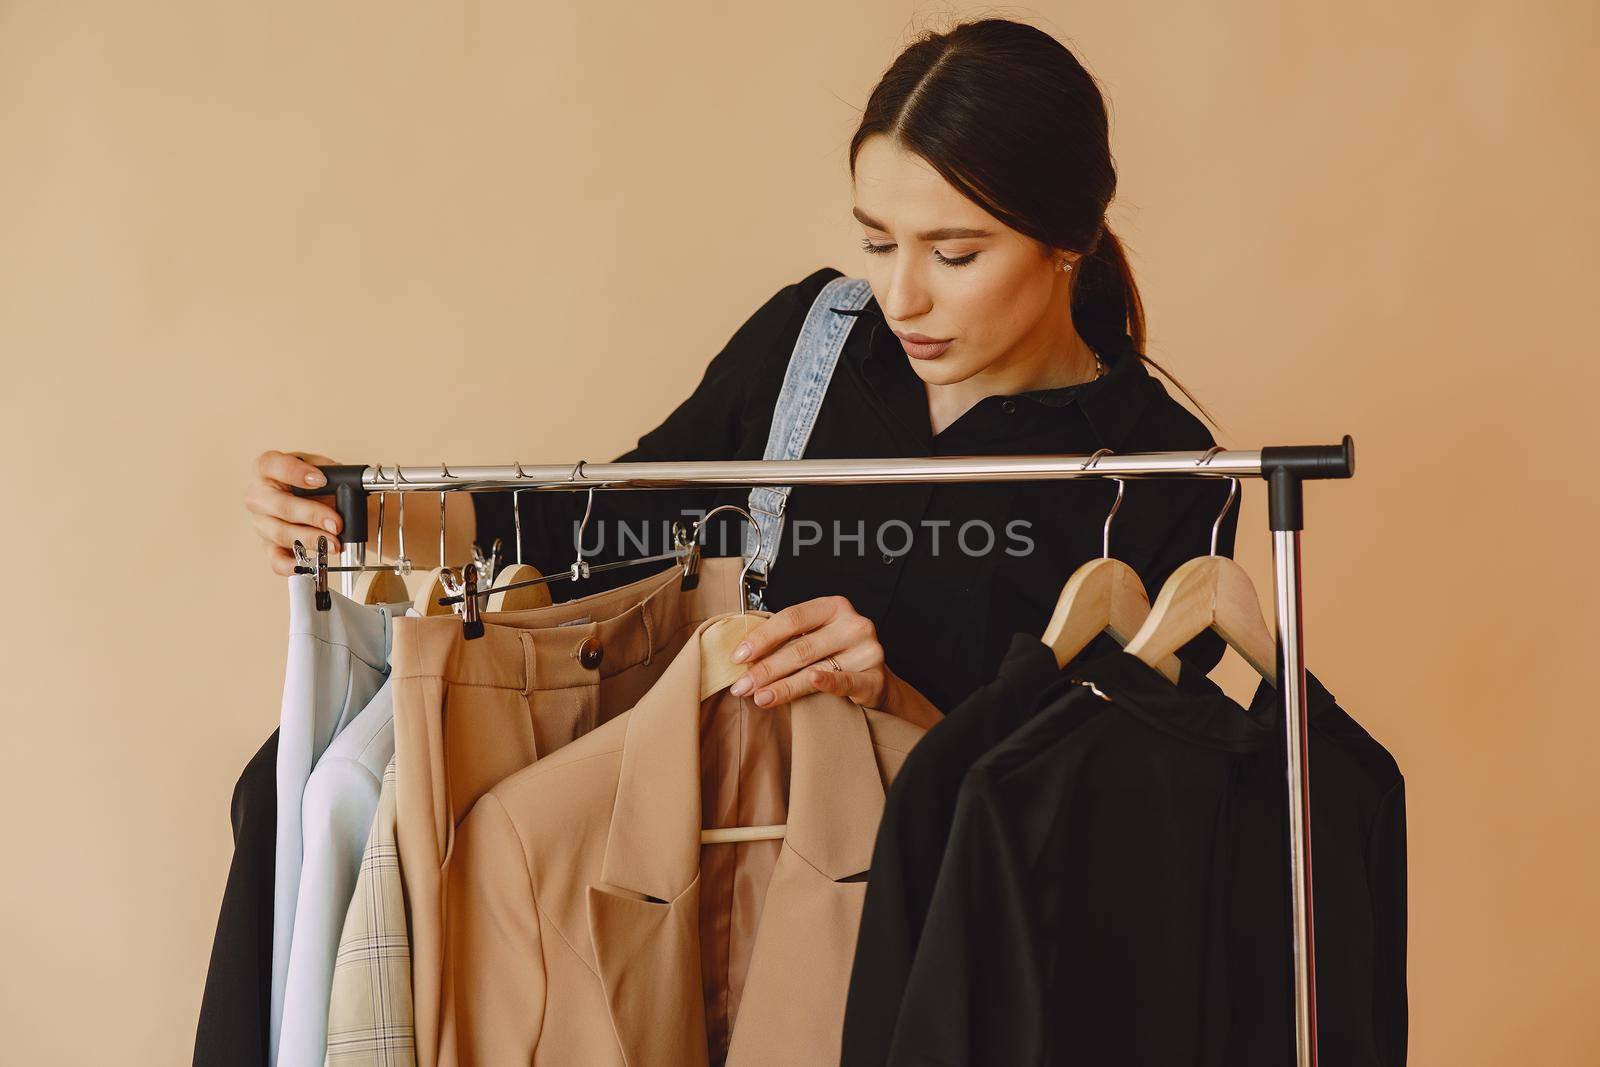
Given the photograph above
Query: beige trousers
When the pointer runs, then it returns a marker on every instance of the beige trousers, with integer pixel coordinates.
(469, 713)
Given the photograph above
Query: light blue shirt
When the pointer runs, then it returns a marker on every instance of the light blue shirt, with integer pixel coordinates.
(337, 661)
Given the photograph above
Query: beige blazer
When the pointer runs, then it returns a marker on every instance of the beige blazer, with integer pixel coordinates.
(469, 713)
(588, 925)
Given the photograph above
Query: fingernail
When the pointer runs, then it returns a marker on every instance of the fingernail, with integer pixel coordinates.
(741, 653)
(741, 687)
(764, 697)
(314, 478)
(330, 526)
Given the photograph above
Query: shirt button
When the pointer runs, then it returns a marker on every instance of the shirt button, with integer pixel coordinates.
(887, 557)
(590, 653)
(1009, 406)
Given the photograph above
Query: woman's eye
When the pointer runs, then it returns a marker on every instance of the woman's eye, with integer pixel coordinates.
(878, 250)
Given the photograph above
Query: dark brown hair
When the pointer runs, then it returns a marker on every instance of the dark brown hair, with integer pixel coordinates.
(1010, 118)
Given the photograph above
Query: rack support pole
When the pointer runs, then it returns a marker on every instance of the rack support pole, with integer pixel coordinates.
(1285, 492)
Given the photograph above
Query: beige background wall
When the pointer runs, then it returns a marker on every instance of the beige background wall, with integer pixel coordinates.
(229, 227)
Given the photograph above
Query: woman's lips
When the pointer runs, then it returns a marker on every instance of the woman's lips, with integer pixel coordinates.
(924, 349)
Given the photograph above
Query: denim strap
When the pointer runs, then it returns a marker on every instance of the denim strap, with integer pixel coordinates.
(805, 382)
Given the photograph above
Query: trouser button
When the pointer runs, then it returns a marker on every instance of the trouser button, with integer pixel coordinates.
(591, 652)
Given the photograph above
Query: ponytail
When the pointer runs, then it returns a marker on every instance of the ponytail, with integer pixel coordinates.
(1105, 300)
(1106, 305)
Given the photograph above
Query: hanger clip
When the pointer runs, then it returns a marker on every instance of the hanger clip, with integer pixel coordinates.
(324, 598)
(487, 564)
(688, 548)
(471, 623)
(496, 553)
(755, 587)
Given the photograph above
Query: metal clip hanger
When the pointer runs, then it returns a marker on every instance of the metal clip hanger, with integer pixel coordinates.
(582, 568)
(471, 623)
(305, 565)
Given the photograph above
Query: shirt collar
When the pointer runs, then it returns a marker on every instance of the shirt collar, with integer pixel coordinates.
(1112, 404)
(1205, 716)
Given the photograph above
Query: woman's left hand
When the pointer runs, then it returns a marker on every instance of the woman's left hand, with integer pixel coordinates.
(795, 651)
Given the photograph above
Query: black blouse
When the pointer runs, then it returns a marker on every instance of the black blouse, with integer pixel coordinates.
(948, 572)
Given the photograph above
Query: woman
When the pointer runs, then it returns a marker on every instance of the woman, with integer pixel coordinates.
(1004, 319)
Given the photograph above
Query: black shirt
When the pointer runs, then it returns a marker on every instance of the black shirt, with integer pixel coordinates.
(948, 572)
(1114, 888)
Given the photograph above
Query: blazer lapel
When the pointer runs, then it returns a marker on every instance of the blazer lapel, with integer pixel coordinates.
(799, 975)
(644, 914)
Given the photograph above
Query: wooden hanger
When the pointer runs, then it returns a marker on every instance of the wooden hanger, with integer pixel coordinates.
(382, 586)
(734, 834)
(717, 642)
(1104, 595)
(528, 596)
(431, 586)
(1209, 593)
(718, 671)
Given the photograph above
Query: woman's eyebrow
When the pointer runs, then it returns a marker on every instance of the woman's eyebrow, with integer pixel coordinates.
(948, 233)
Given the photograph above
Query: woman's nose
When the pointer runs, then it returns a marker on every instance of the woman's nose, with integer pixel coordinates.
(906, 298)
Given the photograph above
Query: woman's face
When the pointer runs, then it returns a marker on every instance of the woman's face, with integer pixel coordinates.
(943, 267)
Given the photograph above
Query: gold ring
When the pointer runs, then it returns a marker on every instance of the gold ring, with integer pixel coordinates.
(835, 663)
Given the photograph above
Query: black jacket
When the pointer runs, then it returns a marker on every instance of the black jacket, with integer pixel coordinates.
(1114, 888)
(911, 842)
(948, 572)
(237, 1002)
(915, 828)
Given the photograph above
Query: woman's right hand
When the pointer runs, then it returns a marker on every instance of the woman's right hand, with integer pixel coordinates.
(280, 517)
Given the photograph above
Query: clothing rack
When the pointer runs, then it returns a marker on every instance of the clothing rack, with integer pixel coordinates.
(1285, 470)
